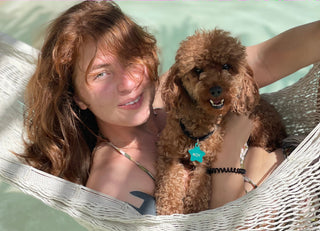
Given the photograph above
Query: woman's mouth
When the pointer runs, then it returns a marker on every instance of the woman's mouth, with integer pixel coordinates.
(133, 104)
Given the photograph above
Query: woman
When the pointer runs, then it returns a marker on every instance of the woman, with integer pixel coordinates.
(93, 97)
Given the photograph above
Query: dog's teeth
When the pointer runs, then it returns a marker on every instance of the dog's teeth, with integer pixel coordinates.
(213, 104)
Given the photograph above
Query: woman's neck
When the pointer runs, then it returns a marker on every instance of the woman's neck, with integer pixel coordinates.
(131, 137)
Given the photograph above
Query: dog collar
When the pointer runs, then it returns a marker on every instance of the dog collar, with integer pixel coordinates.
(200, 138)
(196, 154)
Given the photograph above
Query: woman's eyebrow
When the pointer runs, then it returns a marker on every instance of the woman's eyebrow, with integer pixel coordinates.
(99, 66)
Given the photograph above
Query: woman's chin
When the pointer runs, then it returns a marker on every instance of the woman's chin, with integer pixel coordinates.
(140, 118)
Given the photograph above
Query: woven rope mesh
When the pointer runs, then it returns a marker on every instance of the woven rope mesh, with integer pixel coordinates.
(288, 200)
(298, 104)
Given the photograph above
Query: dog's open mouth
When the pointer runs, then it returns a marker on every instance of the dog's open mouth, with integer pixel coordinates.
(217, 103)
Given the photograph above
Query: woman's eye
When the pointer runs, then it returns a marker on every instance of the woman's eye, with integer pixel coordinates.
(102, 75)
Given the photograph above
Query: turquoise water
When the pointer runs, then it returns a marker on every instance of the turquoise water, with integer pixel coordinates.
(171, 22)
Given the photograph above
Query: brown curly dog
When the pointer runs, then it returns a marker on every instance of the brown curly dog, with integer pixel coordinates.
(209, 79)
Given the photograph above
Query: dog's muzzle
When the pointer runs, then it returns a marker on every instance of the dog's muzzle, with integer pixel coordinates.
(216, 102)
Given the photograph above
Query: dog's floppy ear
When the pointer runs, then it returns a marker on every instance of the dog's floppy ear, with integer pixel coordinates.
(173, 93)
(171, 88)
(249, 91)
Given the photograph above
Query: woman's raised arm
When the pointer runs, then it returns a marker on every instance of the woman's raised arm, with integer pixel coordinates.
(285, 53)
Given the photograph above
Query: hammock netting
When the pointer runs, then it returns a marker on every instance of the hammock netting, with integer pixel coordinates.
(288, 200)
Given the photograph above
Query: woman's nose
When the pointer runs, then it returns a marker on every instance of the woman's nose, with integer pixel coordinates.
(129, 80)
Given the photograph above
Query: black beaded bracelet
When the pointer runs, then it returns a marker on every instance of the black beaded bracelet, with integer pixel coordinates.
(226, 170)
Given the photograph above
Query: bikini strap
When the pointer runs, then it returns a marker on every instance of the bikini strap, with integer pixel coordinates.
(131, 159)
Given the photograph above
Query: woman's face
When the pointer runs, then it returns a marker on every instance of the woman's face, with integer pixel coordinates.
(116, 94)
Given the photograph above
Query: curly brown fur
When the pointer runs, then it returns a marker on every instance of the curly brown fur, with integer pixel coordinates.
(209, 79)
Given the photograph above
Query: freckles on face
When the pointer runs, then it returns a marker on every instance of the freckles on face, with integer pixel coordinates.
(115, 93)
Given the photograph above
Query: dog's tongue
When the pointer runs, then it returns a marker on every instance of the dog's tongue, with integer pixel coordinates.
(216, 101)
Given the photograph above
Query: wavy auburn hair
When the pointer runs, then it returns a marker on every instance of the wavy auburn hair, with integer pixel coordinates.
(59, 135)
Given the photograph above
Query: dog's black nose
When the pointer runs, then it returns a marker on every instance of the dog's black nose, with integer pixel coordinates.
(216, 91)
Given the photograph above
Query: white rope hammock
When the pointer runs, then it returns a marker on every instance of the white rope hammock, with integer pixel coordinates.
(288, 200)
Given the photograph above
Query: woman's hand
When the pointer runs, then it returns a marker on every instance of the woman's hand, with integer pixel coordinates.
(230, 186)
(236, 135)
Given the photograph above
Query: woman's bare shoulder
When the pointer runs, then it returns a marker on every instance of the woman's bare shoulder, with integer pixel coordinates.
(161, 117)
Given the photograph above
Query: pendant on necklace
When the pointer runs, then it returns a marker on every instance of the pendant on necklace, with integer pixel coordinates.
(196, 154)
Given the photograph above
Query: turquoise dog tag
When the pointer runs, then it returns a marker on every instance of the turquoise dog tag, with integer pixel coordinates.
(196, 154)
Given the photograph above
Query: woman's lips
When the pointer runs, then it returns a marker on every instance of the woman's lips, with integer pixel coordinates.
(132, 104)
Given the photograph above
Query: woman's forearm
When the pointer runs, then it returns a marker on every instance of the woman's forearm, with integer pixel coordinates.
(227, 187)
(285, 53)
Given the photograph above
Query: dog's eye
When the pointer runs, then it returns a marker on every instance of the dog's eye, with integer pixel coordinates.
(226, 67)
(197, 70)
